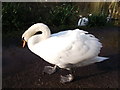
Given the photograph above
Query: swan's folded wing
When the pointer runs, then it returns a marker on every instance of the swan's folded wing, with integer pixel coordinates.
(68, 49)
(82, 48)
(74, 52)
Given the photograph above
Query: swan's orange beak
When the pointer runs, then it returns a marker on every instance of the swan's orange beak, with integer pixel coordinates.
(24, 42)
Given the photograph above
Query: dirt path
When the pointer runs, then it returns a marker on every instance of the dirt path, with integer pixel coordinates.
(23, 69)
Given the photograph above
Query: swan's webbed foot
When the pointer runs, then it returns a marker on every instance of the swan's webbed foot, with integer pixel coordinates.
(49, 69)
(67, 78)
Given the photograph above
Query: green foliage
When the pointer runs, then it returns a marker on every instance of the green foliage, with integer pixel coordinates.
(64, 14)
(19, 16)
(13, 15)
(97, 20)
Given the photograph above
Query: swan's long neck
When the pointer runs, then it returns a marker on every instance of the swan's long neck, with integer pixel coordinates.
(34, 39)
(45, 34)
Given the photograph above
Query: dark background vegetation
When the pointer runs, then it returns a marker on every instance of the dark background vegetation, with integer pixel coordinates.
(19, 16)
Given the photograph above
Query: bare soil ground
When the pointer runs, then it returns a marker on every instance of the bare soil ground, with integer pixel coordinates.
(23, 69)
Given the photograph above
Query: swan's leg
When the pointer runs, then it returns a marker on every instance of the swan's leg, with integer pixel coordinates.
(67, 78)
(49, 69)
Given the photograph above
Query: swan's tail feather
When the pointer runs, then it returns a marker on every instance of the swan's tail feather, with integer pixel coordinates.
(99, 59)
(95, 60)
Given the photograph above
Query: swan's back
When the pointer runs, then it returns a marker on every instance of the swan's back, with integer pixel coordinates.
(68, 47)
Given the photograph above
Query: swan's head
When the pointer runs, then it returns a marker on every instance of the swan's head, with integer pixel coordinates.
(39, 27)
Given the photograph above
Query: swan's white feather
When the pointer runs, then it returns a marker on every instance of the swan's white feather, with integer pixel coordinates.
(68, 48)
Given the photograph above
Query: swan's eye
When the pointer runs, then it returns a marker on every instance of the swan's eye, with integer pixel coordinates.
(39, 32)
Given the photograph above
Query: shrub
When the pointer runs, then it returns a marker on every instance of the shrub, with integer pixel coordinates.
(97, 20)
(19, 16)
(64, 14)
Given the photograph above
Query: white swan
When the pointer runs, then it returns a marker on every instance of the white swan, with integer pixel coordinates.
(66, 49)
